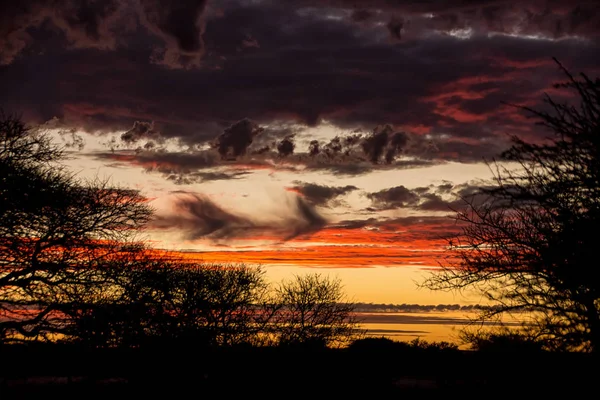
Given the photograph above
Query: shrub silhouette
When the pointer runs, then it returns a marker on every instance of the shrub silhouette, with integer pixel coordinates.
(502, 341)
(375, 344)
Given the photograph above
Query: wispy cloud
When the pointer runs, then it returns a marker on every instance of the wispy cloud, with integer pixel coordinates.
(196, 216)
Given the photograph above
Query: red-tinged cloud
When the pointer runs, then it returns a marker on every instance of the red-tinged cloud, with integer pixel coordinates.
(326, 257)
(355, 244)
(423, 233)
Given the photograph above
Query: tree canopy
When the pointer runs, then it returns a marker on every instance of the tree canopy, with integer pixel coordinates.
(57, 233)
(528, 241)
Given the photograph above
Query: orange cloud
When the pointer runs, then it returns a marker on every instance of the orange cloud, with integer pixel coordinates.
(323, 256)
(386, 245)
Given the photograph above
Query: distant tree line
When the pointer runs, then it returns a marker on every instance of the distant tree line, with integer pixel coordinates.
(411, 308)
(73, 269)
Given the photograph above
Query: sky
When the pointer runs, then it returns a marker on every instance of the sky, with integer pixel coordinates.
(330, 136)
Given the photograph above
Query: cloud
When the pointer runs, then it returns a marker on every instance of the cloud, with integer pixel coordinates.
(84, 23)
(236, 147)
(382, 146)
(551, 18)
(445, 197)
(321, 195)
(180, 24)
(361, 15)
(200, 176)
(384, 143)
(307, 220)
(366, 243)
(101, 24)
(395, 197)
(286, 146)
(140, 130)
(163, 161)
(443, 90)
(182, 168)
(236, 139)
(395, 27)
(197, 216)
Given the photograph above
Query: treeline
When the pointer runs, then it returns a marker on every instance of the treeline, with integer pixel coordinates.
(411, 308)
(202, 305)
(73, 269)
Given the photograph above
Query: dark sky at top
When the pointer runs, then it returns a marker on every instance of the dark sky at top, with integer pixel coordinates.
(190, 69)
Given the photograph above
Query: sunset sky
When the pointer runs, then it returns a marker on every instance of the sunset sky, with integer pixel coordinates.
(302, 135)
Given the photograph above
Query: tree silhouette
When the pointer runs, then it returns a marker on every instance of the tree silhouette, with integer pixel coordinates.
(209, 304)
(314, 311)
(177, 303)
(58, 234)
(121, 309)
(173, 302)
(528, 241)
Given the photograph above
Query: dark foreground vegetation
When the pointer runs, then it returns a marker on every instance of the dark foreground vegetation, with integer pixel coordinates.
(370, 368)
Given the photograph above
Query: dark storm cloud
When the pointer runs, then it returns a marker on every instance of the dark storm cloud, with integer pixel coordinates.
(182, 168)
(201, 176)
(197, 216)
(166, 162)
(395, 27)
(84, 23)
(95, 24)
(445, 197)
(554, 18)
(382, 146)
(180, 24)
(186, 166)
(286, 146)
(349, 155)
(235, 140)
(384, 143)
(395, 197)
(361, 15)
(331, 62)
(321, 195)
(140, 130)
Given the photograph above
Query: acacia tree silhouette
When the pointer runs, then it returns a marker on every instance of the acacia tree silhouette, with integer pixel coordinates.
(178, 303)
(58, 234)
(528, 242)
(199, 306)
(313, 310)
